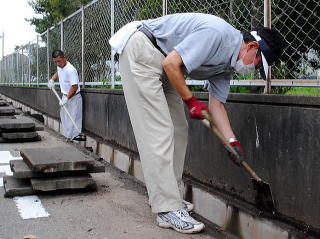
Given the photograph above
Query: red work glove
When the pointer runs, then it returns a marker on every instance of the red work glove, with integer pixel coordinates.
(238, 147)
(195, 107)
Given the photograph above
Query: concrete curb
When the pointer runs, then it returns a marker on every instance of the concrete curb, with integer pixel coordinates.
(209, 206)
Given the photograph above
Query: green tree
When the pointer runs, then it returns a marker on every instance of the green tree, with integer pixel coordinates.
(52, 12)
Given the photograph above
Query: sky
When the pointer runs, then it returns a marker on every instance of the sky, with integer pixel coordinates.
(17, 31)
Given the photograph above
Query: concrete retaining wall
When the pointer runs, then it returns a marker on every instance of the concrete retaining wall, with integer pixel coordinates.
(280, 134)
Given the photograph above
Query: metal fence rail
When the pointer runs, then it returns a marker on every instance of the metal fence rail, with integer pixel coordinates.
(84, 35)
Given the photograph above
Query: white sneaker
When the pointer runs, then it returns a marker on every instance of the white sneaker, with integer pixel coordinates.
(180, 221)
(188, 206)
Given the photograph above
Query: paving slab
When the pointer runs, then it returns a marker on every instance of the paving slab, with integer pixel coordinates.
(7, 110)
(17, 187)
(102, 213)
(38, 124)
(7, 117)
(3, 103)
(49, 160)
(16, 125)
(39, 128)
(69, 182)
(21, 170)
(20, 140)
(19, 135)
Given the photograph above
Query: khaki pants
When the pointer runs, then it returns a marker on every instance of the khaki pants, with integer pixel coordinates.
(158, 120)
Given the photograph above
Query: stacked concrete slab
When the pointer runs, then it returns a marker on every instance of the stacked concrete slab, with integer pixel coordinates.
(13, 129)
(17, 130)
(3, 102)
(51, 169)
(6, 109)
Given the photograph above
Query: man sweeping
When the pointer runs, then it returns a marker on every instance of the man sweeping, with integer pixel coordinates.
(71, 97)
(154, 57)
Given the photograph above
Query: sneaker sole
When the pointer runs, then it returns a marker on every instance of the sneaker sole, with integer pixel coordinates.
(163, 224)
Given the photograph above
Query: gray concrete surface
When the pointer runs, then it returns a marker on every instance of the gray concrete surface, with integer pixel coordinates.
(37, 119)
(56, 159)
(21, 170)
(118, 209)
(19, 135)
(3, 103)
(15, 186)
(7, 110)
(67, 182)
(18, 124)
(17, 139)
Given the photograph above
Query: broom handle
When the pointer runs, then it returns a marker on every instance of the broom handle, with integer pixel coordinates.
(65, 109)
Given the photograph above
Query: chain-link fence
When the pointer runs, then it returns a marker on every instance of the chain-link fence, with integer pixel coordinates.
(97, 52)
(84, 36)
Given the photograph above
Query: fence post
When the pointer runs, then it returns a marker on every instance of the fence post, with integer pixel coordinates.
(1, 73)
(112, 33)
(29, 68)
(267, 23)
(4, 68)
(5, 64)
(37, 61)
(22, 66)
(164, 7)
(82, 47)
(8, 71)
(17, 70)
(14, 72)
(1, 63)
(61, 35)
(48, 58)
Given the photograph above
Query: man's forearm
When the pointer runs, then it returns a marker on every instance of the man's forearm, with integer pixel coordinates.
(178, 82)
(55, 76)
(220, 118)
(72, 91)
(172, 65)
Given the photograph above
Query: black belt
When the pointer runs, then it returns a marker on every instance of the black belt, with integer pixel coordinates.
(74, 94)
(151, 38)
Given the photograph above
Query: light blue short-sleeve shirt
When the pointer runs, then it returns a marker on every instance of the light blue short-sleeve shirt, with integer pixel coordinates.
(208, 46)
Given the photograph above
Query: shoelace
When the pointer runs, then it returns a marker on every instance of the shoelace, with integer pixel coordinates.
(184, 215)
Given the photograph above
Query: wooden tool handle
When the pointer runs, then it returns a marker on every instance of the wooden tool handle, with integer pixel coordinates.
(208, 122)
(250, 171)
(218, 133)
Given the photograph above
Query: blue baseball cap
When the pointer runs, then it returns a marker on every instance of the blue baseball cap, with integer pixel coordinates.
(267, 55)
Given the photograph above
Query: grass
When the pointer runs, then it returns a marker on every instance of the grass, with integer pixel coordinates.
(306, 91)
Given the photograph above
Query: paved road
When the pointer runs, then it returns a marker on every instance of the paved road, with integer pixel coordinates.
(118, 209)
